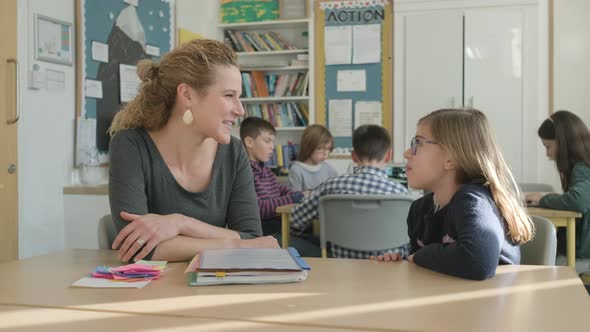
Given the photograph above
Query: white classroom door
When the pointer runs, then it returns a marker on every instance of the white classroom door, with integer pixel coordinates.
(433, 66)
(494, 75)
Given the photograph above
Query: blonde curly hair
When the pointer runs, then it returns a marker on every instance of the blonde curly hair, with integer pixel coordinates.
(192, 63)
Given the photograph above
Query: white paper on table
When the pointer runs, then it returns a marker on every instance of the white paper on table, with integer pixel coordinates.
(93, 88)
(100, 52)
(351, 80)
(128, 82)
(367, 112)
(340, 117)
(91, 282)
(338, 44)
(366, 40)
(152, 50)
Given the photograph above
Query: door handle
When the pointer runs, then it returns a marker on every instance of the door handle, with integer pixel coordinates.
(11, 169)
(16, 111)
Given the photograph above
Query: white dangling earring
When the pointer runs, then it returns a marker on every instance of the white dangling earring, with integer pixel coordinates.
(187, 117)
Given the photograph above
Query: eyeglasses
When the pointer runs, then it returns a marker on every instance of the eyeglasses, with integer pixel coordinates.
(417, 142)
(326, 149)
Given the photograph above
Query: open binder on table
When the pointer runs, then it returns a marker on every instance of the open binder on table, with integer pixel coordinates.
(246, 266)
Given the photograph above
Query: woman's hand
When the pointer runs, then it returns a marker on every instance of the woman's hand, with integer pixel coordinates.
(533, 198)
(387, 257)
(145, 231)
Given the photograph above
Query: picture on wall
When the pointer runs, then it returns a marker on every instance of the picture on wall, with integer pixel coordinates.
(53, 40)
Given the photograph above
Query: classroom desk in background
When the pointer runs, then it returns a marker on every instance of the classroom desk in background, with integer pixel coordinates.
(561, 218)
(285, 212)
(339, 294)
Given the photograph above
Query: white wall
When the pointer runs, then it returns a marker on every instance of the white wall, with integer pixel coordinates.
(571, 70)
(45, 138)
(198, 16)
(572, 57)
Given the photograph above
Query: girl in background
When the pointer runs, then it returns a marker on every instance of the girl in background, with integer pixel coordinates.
(567, 141)
(311, 168)
(473, 218)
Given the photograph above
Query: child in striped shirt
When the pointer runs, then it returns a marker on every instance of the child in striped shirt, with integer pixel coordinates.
(258, 136)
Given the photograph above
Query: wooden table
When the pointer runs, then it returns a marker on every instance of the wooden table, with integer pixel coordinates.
(561, 218)
(30, 318)
(285, 212)
(339, 294)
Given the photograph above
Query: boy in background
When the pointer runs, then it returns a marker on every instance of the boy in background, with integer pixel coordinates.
(371, 152)
(258, 136)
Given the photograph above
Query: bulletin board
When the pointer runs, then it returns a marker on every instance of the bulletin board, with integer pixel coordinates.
(353, 67)
(113, 35)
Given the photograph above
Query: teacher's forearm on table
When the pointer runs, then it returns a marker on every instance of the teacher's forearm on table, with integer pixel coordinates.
(195, 228)
(183, 248)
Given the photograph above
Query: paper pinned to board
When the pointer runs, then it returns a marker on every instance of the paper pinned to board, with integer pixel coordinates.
(85, 139)
(367, 43)
(338, 44)
(93, 88)
(351, 80)
(367, 112)
(128, 82)
(340, 117)
(100, 52)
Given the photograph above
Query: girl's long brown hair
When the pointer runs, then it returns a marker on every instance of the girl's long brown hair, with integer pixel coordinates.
(572, 138)
(467, 136)
(192, 63)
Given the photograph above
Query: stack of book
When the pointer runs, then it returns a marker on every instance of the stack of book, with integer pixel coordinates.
(259, 84)
(283, 156)
(256, 41)
(246, 266)
(280, 115)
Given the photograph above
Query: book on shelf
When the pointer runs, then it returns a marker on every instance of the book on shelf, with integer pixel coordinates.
(246, 266)
(280, 115)
(283, 156)
(258, 84)
(256, 41)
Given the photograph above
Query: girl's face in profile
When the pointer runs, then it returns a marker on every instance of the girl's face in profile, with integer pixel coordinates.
(221, 107)
(425, 160)
(550, 148)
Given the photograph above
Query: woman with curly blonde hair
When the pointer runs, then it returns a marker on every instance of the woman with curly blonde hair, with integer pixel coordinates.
(179, 182)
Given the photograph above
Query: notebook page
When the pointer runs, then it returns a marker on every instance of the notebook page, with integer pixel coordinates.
(257, 258)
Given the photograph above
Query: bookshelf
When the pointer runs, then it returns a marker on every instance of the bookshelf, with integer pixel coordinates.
(273, 63)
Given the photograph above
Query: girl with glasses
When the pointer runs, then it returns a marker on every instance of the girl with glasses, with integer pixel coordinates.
(473, 218)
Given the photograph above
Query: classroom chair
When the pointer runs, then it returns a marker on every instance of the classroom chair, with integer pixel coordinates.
(364, 222)
(106, 232)
(527, 187)
(541, 250)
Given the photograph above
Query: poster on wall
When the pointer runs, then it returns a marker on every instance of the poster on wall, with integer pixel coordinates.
(116, 34)
(53, 40)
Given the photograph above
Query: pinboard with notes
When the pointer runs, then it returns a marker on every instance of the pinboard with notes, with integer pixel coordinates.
(353, 67)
